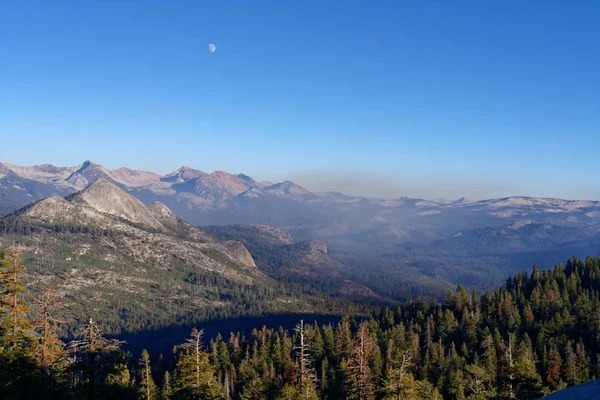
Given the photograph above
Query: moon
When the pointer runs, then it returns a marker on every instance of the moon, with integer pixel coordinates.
(212, 48)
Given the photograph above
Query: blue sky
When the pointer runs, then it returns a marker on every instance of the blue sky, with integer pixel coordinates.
(417, 98)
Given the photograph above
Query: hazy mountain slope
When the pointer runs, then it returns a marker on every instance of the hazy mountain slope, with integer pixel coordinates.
(17, 191)
(412, 240)
(110, 256)
(303, 264)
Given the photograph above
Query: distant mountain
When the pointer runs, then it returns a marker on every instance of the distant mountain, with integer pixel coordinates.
(107, 198)
(111, 257)
(290, 190)
(415, 241)
(185, 189)
(183, 174)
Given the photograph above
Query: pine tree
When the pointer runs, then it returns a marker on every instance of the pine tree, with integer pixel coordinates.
(254, 390)
(554, 365)
(307, 374)
(359, 362)
(289, 392)
(166, 391)
(399, 383)
(569, 368)
(410, 389)
(147, 389)
(490, 359)
(478, 383)
(19, 373)
(16, 327)
(528, 383)
(49, 350)
(583, 364)
(195, 375)
(343, 339)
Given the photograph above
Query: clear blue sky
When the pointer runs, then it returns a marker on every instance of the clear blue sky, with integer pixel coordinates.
(430, 98)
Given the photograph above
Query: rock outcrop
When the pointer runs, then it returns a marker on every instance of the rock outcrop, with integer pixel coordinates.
(108, 198)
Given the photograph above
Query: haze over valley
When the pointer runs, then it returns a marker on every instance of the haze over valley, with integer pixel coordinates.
(395, 248)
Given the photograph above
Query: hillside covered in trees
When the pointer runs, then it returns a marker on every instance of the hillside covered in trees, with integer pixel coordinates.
(537, 334)
(136, 266)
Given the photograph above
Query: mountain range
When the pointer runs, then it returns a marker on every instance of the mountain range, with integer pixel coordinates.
(397, 247)
(109, 255)
(194, 188)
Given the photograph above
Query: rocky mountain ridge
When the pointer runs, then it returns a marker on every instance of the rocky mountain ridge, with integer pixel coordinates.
(434, 239)
(219, 185)
(102, 245)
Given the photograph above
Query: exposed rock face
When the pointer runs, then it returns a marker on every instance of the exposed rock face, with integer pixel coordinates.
(53, 209)
(238, 252)
(246, 178)
(87, 173)
(108, 198)
(58, 211)
(161, 212)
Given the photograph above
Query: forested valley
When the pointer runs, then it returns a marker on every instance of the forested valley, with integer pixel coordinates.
(537, 334)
